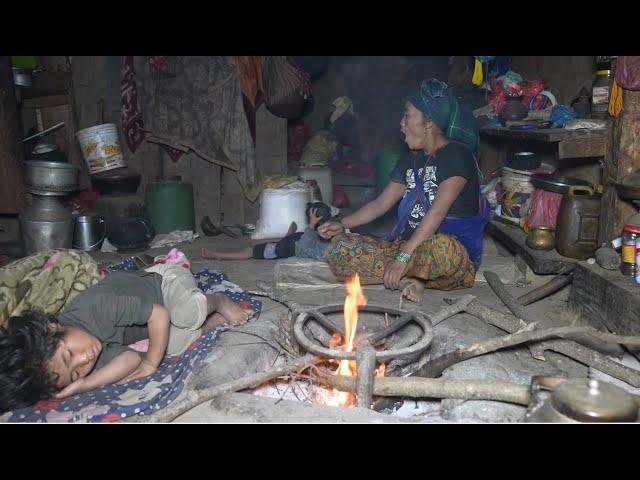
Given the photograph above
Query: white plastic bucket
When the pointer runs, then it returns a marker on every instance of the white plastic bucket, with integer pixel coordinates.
(281, 206)
(101, 147)
(324, 177)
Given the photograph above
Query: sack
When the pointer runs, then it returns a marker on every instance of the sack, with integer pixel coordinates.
(319, 150)
(286, 87)
(628, 72)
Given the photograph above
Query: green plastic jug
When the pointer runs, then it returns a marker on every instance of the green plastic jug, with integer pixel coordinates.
(170, 206)
(385, 162)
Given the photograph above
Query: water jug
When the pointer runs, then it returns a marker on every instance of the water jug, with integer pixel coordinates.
(577, 224)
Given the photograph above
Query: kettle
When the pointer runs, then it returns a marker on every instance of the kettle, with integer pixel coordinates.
(89, 232)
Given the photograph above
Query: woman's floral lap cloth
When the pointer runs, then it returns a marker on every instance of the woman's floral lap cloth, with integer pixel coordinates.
(145, 395)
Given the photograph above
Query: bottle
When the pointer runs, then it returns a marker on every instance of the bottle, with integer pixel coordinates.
(629, 235)
(637, 266)
(600, 94)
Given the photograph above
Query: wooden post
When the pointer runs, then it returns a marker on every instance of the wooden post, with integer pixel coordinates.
(365, 364)
(11, 149)
(622, 158)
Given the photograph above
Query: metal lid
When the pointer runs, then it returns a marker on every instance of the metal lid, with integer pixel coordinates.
(587, 400)
(44, 148)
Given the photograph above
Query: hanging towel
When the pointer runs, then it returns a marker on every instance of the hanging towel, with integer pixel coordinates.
(132, 125)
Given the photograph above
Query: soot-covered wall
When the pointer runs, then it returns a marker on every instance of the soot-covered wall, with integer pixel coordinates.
(376, 85)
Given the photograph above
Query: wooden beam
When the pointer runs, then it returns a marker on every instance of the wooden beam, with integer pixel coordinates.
(11, 148)
(541, 262)
(46, 102)
(581, 148)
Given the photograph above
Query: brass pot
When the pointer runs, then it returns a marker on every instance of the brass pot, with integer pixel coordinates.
(541, 238)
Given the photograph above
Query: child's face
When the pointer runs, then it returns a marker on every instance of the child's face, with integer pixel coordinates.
(76, 355)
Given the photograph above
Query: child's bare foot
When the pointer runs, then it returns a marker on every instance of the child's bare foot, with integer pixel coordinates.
(231, 312)
(244, 254)
(293, 228)
(213, 321)
(206, 253)
(414, 290)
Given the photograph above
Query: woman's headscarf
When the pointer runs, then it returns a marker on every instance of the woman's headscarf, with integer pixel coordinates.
(438, 104)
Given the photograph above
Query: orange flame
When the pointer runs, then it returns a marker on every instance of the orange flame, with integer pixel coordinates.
(355, 298)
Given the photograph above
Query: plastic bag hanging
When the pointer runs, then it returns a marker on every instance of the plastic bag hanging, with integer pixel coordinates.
(478, 77)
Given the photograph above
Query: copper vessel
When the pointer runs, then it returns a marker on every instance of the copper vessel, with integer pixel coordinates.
(541, 238)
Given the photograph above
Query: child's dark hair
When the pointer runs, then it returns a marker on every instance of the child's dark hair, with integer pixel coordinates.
(27, 345)
(322, 210)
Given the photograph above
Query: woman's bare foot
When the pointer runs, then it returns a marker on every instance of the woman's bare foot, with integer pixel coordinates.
(231, 312)
(414, 290)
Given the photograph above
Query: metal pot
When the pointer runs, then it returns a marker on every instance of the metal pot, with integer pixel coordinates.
(47, 152)
(22, 76)
(580, 400)
(45, 224)
(89, 232)
(556, 183)
(50, 178)
(541, 238)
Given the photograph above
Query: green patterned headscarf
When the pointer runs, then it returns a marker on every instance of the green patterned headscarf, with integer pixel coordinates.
(438, 104)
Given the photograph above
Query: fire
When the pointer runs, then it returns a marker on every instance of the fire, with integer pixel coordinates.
(355, 298)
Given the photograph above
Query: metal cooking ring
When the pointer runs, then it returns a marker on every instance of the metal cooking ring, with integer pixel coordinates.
(423, 344)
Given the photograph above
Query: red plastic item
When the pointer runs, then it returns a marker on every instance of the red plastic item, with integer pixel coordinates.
(340, 199)
(297, 137)
(543, 209)
(85, 200)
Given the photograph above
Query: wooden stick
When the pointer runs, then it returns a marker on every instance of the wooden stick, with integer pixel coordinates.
(366, 365)
(417, 387)
(557, 283)
(185, 147)
(411, 333)
(528, 316)
(435, 367)
(196, 397)
(568, 348)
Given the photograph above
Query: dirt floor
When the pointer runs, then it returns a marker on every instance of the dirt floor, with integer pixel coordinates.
(252, 347)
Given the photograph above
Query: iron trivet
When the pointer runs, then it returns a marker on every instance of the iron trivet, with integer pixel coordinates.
(364, 352)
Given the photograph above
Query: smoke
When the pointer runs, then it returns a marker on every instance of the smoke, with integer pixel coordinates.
(377, 85)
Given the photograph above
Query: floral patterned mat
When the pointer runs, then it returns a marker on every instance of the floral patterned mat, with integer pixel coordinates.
(146, 395)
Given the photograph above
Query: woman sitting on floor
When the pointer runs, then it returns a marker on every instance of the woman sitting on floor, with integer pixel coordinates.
(437, 241)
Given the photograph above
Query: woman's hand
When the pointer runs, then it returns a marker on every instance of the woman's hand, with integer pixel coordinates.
(393, 273)
(328, 230)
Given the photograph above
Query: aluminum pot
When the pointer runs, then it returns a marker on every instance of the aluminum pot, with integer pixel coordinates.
(50, 178)
(22, 76)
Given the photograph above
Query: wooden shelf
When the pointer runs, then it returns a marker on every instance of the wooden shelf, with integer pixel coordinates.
(540, 261)
(570, 143)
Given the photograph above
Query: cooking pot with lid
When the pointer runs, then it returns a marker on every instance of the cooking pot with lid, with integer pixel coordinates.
(47, 152)
(556, 183)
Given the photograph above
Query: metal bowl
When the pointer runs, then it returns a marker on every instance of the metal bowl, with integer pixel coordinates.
(50, 178)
